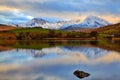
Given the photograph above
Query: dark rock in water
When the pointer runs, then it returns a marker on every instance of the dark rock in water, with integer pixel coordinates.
(81, 74)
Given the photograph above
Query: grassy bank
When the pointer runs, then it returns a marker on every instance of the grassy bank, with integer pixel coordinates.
(41, 34)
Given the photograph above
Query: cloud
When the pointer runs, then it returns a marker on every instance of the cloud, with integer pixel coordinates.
(13, 17)
(62, 8)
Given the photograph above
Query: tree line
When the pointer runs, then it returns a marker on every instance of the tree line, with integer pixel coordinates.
(54, 34)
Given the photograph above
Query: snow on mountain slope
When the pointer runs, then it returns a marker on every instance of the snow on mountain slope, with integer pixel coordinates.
(93, 21)
(39, 22)
(90, 22)
(34, 22)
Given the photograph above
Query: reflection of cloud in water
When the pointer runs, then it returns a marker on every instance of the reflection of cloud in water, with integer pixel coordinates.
(52, 56)
(105, 77)
(29, 77)
(76, 54)
(45, 64)
(80, 59)
(15, 57)
(5, 67)
(63, 55)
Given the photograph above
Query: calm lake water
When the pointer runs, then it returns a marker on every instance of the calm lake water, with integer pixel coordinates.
(49, 60)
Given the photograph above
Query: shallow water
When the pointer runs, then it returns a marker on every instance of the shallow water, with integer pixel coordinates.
(58, 62)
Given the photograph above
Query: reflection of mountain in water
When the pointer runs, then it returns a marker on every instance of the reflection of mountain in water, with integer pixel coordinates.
(61, 54)
(36, 53)
(89, 52)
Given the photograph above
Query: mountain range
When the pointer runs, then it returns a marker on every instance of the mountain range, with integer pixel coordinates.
(39, 22)
(89, 22)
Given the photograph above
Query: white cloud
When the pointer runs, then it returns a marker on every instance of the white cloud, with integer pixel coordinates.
(61, 8)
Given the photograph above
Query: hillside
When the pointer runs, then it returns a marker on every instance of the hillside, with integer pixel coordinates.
(111, 29)
(38, 33)
(6, 27)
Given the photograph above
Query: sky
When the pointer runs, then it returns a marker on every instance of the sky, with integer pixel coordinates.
(19, 11)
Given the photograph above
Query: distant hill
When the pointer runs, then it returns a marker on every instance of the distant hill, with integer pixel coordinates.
(4, 27)
(111, 29)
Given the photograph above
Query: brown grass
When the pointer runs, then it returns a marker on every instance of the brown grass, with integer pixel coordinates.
(109, 29)
(114, 28)
(6, 27)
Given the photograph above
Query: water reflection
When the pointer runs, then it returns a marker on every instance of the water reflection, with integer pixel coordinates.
(59, 63)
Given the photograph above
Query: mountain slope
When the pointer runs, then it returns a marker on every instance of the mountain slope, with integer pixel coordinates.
(94, 22)
(33, 23)
(6, 27)
(111, 29)
(39, 22)
(89, 22)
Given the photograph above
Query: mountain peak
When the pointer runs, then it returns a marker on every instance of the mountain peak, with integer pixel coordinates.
(94, 18)
(94, 22)
(89, 22)
(91, 17)
(39, 20)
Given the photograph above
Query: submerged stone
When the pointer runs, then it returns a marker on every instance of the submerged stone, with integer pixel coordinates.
(81, 74)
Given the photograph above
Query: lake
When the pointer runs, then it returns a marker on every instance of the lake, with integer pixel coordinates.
(57, 60)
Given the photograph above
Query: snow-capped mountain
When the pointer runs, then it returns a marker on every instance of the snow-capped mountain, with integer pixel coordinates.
(34, 22)
(90, 22)
(93, 21)
(39, 22)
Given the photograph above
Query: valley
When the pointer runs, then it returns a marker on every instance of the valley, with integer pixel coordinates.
(40, 34)
(91, 28)
(59, 39)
